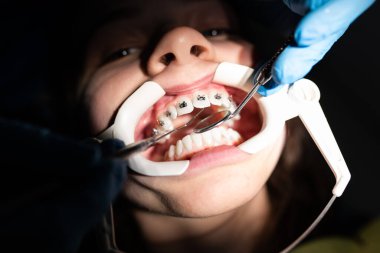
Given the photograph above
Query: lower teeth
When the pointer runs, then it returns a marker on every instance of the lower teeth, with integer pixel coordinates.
(193, 143)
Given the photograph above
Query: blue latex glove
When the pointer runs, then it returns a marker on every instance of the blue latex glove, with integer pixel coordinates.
(324, 22)
(54, 189)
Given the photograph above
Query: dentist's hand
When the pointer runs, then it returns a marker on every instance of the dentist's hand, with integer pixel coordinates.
(324, 22)
(55, 189)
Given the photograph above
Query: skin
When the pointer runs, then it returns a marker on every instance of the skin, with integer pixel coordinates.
(206, 209)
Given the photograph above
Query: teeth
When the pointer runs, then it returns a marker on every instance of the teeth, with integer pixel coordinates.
(179, 148)
(232, 109)
(230, 122)
(200, 100)
(171, 112)
(216, 134)
(225, 135)
(196, 142)
(215, 97)
(235, 136)
(207, 138)
(226, 101)
(155, 132)
(165, 123)
(187, 142)
(184, 106)
(219, 98)
(171, 153)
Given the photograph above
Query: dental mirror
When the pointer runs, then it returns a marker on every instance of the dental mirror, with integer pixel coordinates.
(261, 77)
(212, 121)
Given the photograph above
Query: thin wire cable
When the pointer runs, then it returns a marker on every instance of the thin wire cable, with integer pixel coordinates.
(113, 248)
(311, 227)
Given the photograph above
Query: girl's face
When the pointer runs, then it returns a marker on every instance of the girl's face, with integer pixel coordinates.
(178, 44)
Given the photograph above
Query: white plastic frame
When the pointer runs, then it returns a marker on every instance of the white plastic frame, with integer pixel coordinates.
(300, 99)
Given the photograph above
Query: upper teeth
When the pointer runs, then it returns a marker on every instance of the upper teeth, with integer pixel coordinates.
(171, 112)
(232, 108)
(185, 105)
(219, 98)
(200, 100)
(165, 123)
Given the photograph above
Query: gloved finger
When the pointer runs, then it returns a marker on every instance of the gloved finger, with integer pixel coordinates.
(329, 19)
(271, 87)
(295, 62)
(314, 36)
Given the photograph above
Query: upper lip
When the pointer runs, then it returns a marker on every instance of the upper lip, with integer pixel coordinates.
(177, 80)
(185, 88)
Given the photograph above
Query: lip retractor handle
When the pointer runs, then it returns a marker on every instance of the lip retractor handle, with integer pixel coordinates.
(305, 94)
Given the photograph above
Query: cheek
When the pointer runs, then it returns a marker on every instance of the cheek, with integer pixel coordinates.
(107, 90)
(240, 52)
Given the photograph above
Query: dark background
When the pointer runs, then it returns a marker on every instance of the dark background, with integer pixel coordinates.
(347, 77)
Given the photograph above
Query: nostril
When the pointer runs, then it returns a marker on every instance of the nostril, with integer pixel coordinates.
(166, 59)
(182, 56)
(197, 50)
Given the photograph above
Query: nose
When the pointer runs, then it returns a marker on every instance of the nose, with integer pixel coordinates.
(180, 46)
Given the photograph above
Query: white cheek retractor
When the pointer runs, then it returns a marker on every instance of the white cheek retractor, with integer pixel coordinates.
(140, 101)
(300, 99)
(124, 127)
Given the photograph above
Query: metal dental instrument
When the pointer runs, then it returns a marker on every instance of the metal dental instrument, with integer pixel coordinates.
(259, 78)
(144, 144)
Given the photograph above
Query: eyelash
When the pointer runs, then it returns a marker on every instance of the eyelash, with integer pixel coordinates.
(120, 53)
(215, 33)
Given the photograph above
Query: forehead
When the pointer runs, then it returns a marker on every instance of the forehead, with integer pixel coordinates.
(153, 12)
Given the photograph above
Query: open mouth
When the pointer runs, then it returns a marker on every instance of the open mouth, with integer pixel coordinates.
(173, 111)
(150, 108)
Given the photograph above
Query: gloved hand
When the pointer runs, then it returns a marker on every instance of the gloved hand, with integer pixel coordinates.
(54, 189)
(324, 22)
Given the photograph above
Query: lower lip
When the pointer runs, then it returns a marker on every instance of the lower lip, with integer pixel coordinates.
(218, 156)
